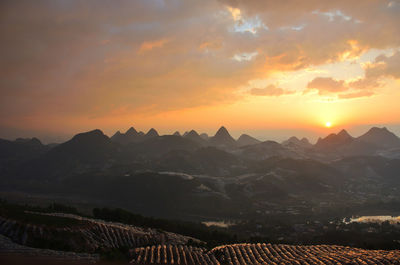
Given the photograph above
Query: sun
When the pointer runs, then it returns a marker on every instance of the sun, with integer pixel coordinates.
(328, 124)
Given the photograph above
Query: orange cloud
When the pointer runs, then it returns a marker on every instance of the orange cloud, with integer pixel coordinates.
(326, 85)
(358, 94)
(270, 90)
(86, 61)
(150, 45)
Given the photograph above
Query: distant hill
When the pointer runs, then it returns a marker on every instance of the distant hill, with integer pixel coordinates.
(194, 136)
(89, 146)
(381, 137)
(343, 145)
(246, 139)
(21, 150)
(333, 140)
(151, 133)
(130, 136)
(294, 141)
(222, 138)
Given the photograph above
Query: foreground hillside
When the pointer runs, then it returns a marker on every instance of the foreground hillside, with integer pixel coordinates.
(72, 238)
(169, 249)
(60, 231)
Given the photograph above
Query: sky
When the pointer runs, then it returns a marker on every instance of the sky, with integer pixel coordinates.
(269, 68)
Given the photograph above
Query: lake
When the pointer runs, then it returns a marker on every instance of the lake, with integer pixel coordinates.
(223, 224)
(373, 219)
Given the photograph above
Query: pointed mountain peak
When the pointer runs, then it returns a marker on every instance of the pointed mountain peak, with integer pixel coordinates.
(131, 131)
(222, 132)
(192, 133)
(223, 138)
(194, 136)
(177, 133)
(344, 133)
(117, 134)
(152, 133)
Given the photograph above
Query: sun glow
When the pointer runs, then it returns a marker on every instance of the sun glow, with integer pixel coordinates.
(328, 124)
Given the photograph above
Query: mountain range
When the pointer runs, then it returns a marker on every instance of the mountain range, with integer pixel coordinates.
(197, 175)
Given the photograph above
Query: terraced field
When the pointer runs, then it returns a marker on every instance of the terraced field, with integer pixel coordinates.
(172, 254)
(85, 234)
(245, 254)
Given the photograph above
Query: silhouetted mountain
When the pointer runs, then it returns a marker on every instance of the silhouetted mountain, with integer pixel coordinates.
(222, 138)
(21, 150)
(302, 147)
(92, 146)
(85, 152)
(177, 133)
(131, 132)
(130, 136)
(29, 141)
(152, 133)
(381, 137)
(334, 140)
(194, 136)
(246, 139)
(117, 137)
(341, 145)
(294, 141)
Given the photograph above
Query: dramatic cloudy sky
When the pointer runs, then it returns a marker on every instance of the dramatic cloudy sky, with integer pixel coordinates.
(254, 66)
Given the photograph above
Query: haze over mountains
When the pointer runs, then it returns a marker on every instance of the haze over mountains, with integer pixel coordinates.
(375, 138)
(375, 141)
(180, 175)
